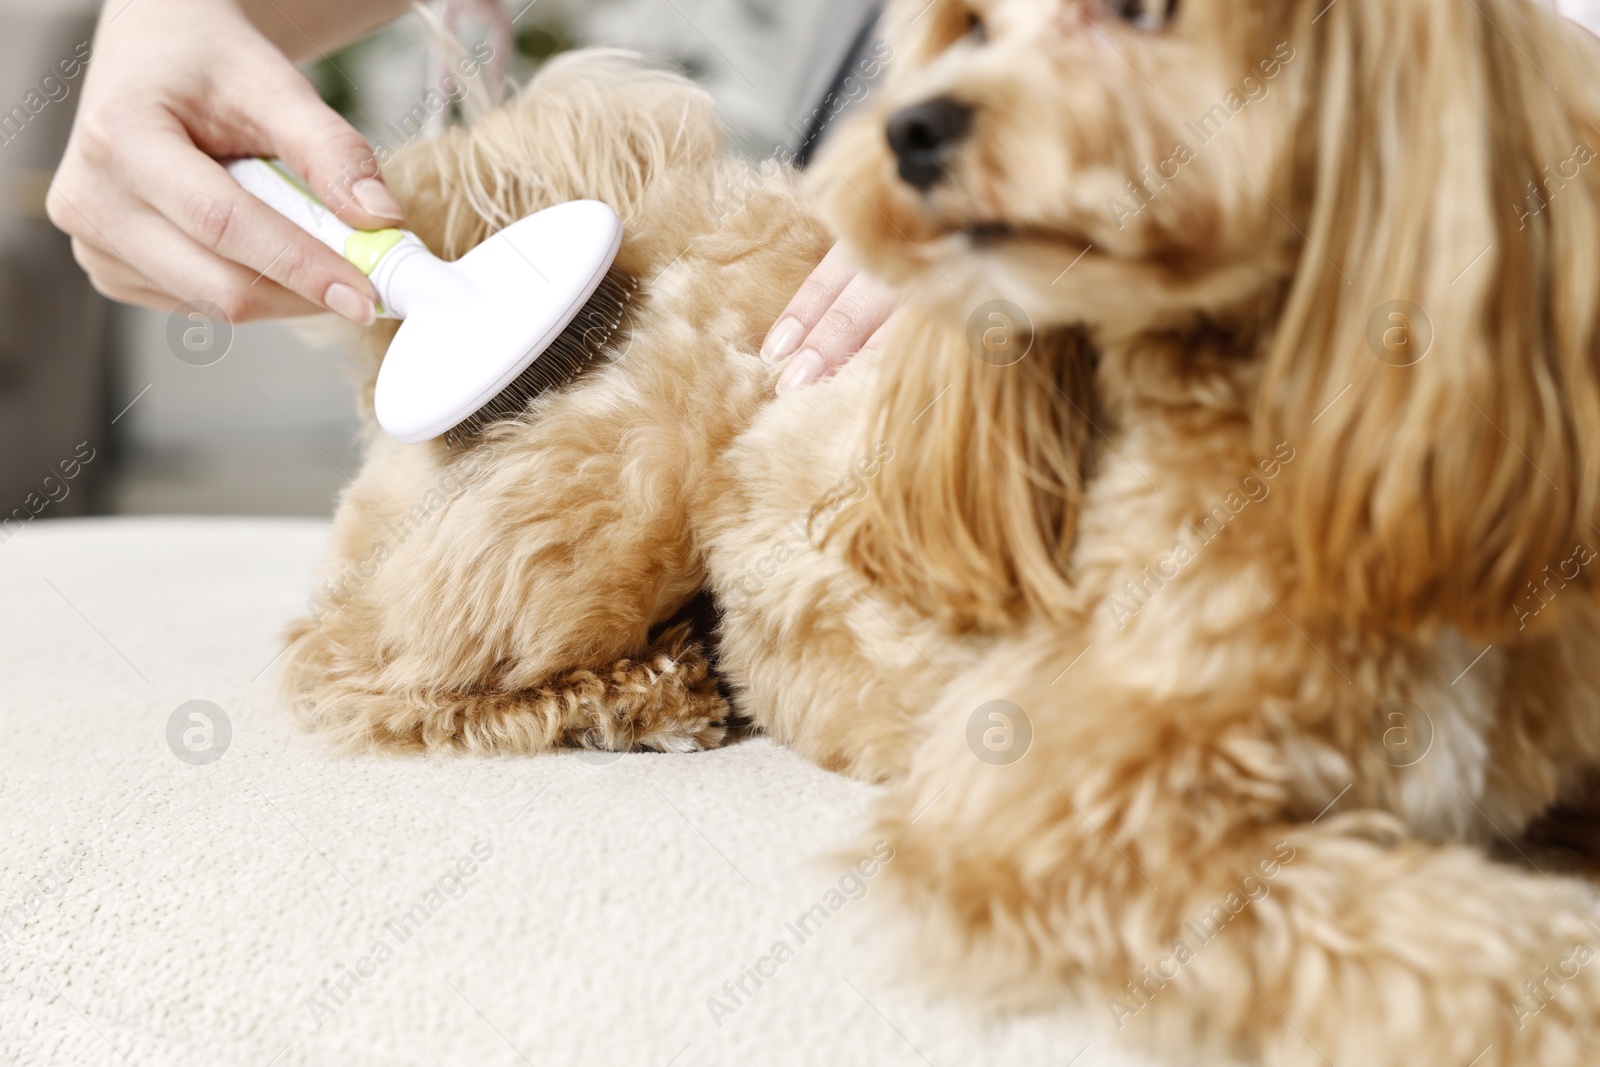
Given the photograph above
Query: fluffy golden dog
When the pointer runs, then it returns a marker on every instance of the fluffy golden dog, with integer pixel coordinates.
(1213, 605)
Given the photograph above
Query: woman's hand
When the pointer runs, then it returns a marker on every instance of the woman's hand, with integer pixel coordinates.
(173, 86)
(837, 313)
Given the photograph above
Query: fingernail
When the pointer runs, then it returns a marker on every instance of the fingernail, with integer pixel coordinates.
(783, 340)
(802, 370)
(349, 304)
(376, 199)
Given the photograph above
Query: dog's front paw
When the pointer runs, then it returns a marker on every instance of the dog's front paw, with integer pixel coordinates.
(665, 701)
(684, 735)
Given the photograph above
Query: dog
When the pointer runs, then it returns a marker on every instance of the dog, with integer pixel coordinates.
(1204, 563)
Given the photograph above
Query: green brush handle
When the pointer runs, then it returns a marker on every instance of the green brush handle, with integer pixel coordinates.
(367, 250)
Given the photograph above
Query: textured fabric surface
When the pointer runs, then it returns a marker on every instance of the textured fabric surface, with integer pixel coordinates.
(565, 909)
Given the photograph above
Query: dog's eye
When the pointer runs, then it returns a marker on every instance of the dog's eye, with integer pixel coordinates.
(1144, 14)
(977, 32)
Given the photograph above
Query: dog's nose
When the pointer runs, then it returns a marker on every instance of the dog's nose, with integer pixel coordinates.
(924, 135)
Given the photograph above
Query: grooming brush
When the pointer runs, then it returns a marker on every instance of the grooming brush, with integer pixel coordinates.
(523, 312)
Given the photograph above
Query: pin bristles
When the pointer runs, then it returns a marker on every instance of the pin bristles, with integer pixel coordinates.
(579, 345)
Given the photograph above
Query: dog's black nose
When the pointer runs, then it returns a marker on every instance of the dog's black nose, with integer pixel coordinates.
(924, 135)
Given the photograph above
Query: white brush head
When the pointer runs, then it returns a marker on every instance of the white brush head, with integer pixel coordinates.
(472, 326)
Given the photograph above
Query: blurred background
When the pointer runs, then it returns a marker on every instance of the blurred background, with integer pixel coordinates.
(269, 427)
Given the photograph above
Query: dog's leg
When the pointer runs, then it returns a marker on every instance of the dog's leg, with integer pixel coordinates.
(1152, 855)
(664, 699)
(471, 598)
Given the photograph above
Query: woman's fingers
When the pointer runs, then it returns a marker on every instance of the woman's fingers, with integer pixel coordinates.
(219, 216)
(806, 308)
(203, 237)
(114, 279)
(175, 266)
(880, 336)
(834, 314)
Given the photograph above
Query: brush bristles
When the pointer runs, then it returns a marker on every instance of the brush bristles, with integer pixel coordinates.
(577, 348)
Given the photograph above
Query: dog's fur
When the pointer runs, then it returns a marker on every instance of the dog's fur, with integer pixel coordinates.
(927, 532)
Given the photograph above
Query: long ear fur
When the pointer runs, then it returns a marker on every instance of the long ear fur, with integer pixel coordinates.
(974, 519)
(1435, 492)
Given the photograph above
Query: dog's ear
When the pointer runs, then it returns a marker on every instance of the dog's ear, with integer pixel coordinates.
(974, 514)
(1436, 360)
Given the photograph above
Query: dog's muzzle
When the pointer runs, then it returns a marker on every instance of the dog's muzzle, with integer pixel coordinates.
(924, 136)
